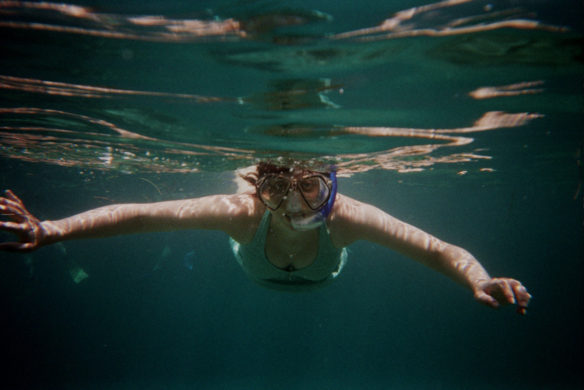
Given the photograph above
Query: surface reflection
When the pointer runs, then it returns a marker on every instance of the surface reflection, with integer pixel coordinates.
(65, 18)
(523, 88)
(88, 91)
(267, 39)
(109, 147)
(105, 146)
(294, 94)
(427, 20)
(418, 157)
(413, 22)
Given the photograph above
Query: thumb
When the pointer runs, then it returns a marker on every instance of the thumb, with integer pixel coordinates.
(486, 299)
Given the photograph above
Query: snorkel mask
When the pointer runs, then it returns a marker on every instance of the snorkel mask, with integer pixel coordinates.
(318, 190)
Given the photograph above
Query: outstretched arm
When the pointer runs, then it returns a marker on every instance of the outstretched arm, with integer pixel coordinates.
(353, 220)
(229, 213)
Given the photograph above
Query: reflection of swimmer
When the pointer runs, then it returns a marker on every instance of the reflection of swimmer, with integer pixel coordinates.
(290, 233)
(294, 94)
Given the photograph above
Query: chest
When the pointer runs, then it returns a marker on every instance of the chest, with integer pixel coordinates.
(292, 253)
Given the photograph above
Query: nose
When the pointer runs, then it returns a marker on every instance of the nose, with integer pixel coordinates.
(293, 202)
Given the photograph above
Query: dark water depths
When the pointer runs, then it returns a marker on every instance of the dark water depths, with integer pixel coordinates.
(461, 117)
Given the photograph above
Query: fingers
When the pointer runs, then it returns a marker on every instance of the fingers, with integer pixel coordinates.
(12, 227)
(498, 290)
(9, 211)
(486, 299)
(522, 297)
(16, 219)
(11, 206)
(11, 199)
(10, 195)
(16, 247)
(505, 291)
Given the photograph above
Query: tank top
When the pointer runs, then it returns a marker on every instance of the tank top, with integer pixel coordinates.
(252, 258)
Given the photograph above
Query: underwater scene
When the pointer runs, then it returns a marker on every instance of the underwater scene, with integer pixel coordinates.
(463, 118)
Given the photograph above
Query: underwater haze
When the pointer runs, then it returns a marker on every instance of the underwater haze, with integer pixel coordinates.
(461, 117)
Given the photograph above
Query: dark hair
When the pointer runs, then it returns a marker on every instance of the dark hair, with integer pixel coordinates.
(264, 168)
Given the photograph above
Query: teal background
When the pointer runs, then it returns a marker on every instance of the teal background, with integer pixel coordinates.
(144, 320)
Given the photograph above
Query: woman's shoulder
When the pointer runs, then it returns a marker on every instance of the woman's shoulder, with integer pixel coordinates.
(245, 212)
(238, 206)
(341, 219)
(346, 207)
(352, 220)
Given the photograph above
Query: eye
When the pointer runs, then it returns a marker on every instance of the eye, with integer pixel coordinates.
(307, 185)
(310, 184)
(278, 186)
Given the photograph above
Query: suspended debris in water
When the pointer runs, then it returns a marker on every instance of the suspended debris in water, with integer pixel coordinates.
(189, 260)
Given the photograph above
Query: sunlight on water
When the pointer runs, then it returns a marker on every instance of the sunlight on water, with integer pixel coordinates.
(105, 126)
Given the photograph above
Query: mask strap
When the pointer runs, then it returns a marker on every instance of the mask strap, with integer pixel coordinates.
(331, 201)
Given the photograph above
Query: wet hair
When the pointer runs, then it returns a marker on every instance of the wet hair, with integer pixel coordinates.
(265, 168)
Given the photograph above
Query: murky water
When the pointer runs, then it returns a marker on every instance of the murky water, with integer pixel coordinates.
(461, 117)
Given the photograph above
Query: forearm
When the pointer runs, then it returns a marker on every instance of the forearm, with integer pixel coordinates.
(352, 220)
(101, 222)
(459, 265)
(368, 222)
(135, 218)
(450, 260)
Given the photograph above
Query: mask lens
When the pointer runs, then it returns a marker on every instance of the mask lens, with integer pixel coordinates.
(273, 190)
(315, 191)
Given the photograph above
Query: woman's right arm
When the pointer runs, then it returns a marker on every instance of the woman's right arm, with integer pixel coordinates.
(233, 214)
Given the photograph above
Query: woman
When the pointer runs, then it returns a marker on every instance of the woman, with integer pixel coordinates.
(290, 234)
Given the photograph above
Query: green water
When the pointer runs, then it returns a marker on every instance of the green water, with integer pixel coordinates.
(101, 105)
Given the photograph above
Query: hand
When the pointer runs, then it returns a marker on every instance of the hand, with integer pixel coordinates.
(20, 222)
(503, 291)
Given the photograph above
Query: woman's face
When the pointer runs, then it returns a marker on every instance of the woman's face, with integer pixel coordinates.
(293, 206)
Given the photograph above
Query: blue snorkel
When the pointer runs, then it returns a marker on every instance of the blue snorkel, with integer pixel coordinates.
(314, 221)
(326, 210)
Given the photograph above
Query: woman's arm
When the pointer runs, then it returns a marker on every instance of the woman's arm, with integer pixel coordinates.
(233, 214)
(352, 220)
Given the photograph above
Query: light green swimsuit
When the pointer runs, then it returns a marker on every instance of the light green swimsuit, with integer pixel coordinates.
(328, 263)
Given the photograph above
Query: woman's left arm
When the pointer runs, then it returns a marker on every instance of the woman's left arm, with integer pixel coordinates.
(352, 220)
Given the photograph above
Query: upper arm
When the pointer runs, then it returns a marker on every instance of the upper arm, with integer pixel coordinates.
(352, 220)
(236, 215)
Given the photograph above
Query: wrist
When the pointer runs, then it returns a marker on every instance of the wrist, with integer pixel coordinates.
(480, 283)
(48, 233)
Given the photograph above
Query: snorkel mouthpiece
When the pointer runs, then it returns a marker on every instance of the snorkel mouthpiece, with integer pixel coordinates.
(308, 223)
(317, 219)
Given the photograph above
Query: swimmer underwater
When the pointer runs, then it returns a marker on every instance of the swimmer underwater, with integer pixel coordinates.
(290, 234)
